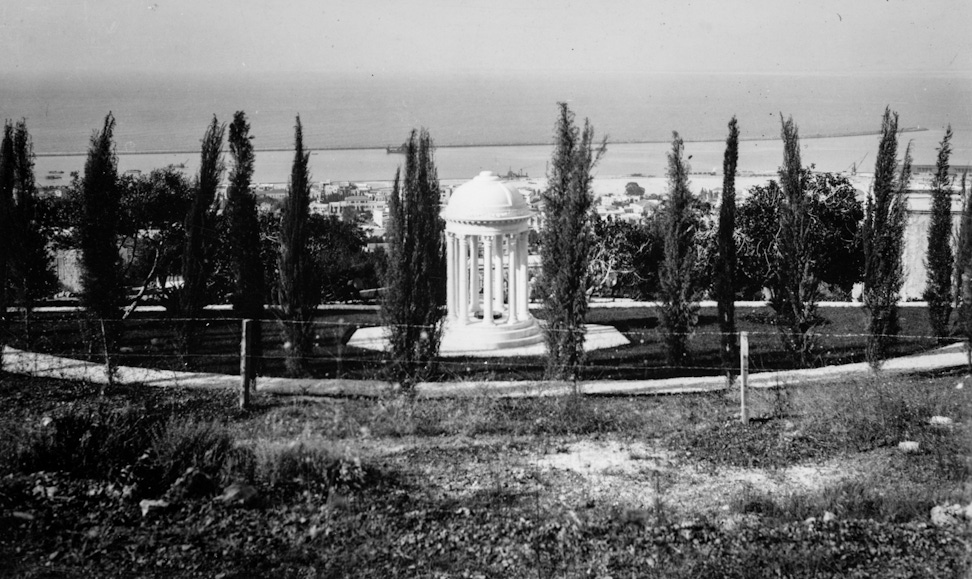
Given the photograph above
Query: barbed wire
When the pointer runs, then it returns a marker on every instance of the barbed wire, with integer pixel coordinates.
(69, 335)
(654, 332)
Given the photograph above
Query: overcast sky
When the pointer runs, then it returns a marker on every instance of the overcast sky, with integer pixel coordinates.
(382, 37)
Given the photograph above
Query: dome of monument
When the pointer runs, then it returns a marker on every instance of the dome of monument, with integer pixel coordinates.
(486, 198)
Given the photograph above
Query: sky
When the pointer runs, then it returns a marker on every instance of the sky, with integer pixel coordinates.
(402, 37)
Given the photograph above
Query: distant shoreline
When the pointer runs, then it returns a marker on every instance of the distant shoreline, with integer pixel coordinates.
(487, 145)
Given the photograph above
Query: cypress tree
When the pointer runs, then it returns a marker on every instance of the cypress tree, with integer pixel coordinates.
(938, 261)
(963, 270)
(244, 226)
(30, 265)
(963, 245)
(101, 280)
(565, 243)
(725, 281)
(679, 285)
(7, 236)
(201, 233)
(795, 285)
(883, 237)
(413, 304)
(298, 290)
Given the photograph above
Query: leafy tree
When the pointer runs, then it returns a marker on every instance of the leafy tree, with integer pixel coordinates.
(835, 215)
(679, 289)
(7, 239)
(649, 238)
(153, 209)
(298, 290)
(725, 268)
(565, 243)
(339, 259)
(98, 226)
(963, 270)
(624, 257)
(883, 242)
(938, 261)
(414, 300)
(243, 227)
(795, 283)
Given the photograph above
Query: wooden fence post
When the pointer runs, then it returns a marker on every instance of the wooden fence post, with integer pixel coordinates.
(109, 368)
(743, 376)
(246, 364)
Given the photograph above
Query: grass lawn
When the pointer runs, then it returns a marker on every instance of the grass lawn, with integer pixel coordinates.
(668, 486)
(153, 342)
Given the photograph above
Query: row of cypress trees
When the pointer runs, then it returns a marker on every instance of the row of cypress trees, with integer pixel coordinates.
(414, 313)
(97, 229)
(794, 287)
(412, 305)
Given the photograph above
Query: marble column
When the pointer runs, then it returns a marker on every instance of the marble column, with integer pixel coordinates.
(511, 283)
(450, 275)
(522, 276)
(498, 273)
(473, 275)
(463, 279)
(488, 280)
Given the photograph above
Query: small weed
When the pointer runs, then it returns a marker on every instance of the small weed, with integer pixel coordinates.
(871, 499)
(179, 445)
(305, 464)
(876, 412)
(91, 441)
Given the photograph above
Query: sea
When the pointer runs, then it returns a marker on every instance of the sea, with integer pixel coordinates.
(485, 121)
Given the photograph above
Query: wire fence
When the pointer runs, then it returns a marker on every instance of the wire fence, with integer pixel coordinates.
(74, 343)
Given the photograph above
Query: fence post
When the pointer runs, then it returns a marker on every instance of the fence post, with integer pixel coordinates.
(109, 369)
(246, 364)
(743, 376)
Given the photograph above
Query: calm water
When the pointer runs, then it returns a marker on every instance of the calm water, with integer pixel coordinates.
(167, 116)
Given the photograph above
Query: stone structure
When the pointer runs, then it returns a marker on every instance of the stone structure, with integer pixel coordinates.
(487, 228)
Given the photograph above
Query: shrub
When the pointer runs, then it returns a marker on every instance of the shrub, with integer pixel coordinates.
(305, 464)
(849, 499)
(179, 445)
(92, 442)
(876, 412)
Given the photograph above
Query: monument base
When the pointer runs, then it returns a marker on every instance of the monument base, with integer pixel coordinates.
(524, 338)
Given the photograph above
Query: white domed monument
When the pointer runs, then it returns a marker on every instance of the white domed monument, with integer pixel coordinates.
(489, 220)
(487, 298)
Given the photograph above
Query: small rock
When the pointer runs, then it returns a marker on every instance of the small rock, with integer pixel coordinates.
(149, 506)
(960, 385)
(828, 516)
(238, 494)
(636, 517)
(23, 516)
(126, 350)
(940, 421)
(944, 516)
(810, 520)
(968, 512)
(46, 421)
(736, 521)
(908, 446)
(193, 483)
